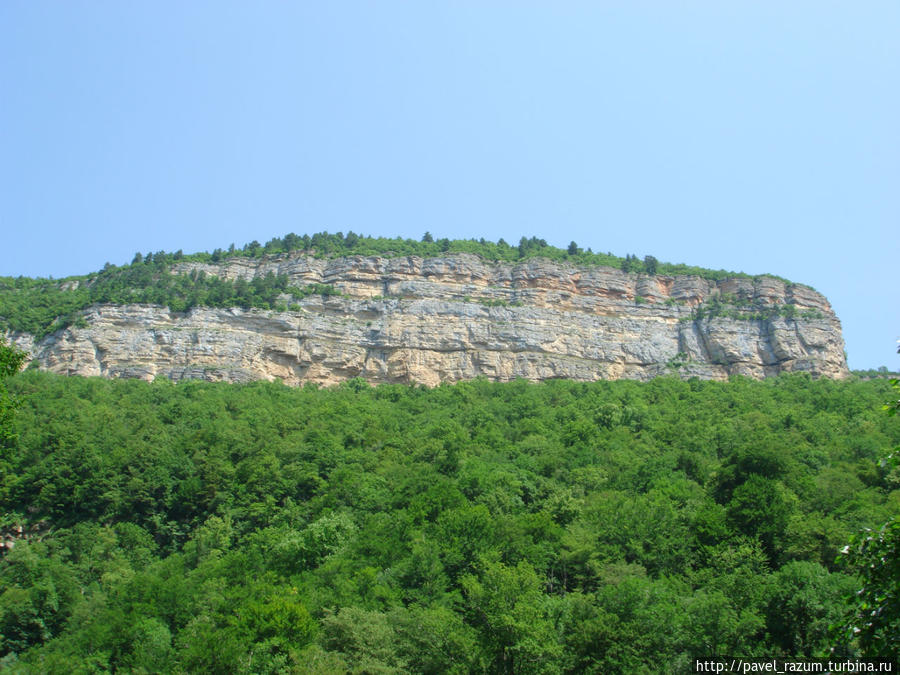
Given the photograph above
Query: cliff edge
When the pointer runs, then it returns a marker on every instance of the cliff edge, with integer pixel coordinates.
(457, 317)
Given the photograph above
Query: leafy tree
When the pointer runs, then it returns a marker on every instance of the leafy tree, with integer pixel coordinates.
(507, 603)
(804, 602)
(37, 599)
(152, 647)
(874, 621)
(437, 640)
(760, 508)
(366, 639)
(11, 360)
(308, 548)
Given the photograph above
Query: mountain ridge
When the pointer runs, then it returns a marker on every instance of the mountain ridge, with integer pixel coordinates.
(447, 318)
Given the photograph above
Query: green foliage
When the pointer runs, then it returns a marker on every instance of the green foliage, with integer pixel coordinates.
(881, 371)
(40, 306)
(733, 307)
(559, 527)
(874, 623)
(507, 604)
(892, 406)
(678, 361)
(11, 360)
(309, 547)
(801, 607)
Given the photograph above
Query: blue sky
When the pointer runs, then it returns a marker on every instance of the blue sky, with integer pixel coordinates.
(752, 136)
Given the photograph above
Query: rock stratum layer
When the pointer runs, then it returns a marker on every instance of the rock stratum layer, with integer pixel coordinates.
(458, 317)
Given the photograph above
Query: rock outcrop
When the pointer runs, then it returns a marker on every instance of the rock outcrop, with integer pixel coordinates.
(458, 317)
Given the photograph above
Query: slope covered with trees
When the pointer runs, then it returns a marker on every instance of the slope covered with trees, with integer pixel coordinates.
(507, 528)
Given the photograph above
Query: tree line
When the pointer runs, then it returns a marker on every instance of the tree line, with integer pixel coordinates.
(330, 245)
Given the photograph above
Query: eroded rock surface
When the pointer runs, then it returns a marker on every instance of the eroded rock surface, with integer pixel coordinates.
(457, 317)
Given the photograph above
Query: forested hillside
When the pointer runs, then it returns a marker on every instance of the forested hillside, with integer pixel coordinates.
(560, 527)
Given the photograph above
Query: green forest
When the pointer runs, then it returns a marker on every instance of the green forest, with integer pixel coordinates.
(43, 306)
(555, 527)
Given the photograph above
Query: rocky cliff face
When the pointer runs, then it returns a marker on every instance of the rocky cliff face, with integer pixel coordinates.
(457, 317)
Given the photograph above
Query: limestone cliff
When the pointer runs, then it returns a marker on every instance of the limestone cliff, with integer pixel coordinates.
(458, 317)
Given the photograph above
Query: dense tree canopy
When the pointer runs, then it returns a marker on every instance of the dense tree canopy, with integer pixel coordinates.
(508, 528)
(11, 360)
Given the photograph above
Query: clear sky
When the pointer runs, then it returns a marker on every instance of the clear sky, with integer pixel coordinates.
(758, 136)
